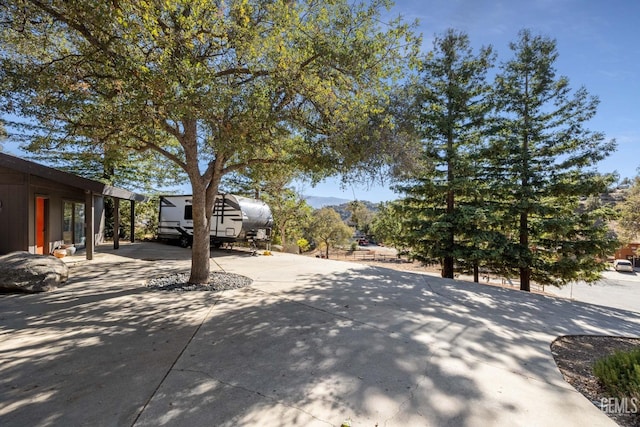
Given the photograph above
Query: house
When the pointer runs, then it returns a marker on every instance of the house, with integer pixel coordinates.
(629, 251)
(42, 208)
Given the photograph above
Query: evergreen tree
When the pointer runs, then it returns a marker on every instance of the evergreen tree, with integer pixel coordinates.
(451, 108)
(540, 162)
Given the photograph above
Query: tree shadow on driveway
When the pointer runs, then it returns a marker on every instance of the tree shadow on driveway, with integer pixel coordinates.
(308, 344)
(381, 347)
(93, 351)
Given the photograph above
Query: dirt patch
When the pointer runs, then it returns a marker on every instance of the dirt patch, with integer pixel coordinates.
(377, 259)
(575, 357)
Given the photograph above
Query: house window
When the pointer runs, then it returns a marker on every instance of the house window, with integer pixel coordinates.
(73, 227)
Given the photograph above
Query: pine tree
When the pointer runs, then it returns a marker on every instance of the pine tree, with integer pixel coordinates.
(451, 106)
(541, 161)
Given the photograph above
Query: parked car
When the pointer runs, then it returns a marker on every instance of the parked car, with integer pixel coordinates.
(622, 265)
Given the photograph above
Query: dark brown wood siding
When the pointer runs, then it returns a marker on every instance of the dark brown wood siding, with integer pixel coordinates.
(14, 212)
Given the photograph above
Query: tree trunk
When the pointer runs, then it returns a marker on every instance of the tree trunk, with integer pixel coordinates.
(447, 267)
(327, 251)
(525, 276)
(475, 272)
(525, 272)
(204, 189)
(282, 237)
(448, 264)
(200, 247)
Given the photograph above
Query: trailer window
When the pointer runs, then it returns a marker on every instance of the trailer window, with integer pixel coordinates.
(188, 212)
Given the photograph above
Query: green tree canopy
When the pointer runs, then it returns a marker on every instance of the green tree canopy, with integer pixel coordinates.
(390, 227)
(213, 86)
(360, 216)
(629, 211)
(328, 228)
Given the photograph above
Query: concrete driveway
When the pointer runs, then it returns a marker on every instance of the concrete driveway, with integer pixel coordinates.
(615, 289)
(312, 342)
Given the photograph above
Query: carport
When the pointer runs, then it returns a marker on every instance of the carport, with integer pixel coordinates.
(42, 208)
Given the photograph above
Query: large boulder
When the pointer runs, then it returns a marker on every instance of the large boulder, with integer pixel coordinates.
(27, 272)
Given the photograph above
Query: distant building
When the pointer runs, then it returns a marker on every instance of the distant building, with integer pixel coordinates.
(629, 252)
(42, 208)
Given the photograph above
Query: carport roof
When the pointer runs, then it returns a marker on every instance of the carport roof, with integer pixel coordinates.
(27, 166)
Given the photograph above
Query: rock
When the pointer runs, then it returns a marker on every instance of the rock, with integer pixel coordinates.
(27, 272)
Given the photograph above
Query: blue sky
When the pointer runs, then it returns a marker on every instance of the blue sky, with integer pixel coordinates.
(598, 43)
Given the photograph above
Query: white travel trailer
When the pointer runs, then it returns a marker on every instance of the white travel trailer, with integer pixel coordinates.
(234, 218)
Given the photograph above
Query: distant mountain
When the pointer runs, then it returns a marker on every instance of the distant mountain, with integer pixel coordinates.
(320, 202)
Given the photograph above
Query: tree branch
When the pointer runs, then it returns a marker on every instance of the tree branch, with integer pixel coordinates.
(80, 28)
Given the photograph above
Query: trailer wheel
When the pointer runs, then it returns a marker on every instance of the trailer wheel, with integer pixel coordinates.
(185, 241)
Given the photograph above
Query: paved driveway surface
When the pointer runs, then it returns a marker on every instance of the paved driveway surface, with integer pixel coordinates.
(615, 289)
(311, 342)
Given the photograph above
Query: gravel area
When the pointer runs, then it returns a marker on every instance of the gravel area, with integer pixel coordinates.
(218, 281)
(575, 357)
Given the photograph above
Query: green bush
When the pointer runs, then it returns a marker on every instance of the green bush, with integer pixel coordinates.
(303, 245)
(620, 373)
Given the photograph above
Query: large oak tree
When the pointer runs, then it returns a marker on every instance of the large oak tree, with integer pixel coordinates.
(213, 86)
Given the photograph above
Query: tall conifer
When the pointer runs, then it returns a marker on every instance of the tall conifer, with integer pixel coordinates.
(541, 162)
(451, 107)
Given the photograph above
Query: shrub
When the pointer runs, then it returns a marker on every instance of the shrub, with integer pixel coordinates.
(303, 245)
(620, 373)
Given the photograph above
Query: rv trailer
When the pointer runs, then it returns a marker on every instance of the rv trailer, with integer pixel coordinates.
(235, 218)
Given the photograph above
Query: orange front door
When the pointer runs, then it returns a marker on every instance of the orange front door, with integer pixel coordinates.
(41, 224)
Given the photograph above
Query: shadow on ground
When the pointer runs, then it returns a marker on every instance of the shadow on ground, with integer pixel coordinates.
(377, 346)
(380, 347)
